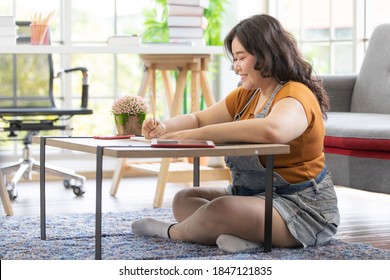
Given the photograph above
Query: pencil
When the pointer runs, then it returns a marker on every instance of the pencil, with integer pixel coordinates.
(153, 97)
(153, 110)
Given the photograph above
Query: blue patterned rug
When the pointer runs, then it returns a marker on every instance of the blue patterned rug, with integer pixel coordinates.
(72, 237)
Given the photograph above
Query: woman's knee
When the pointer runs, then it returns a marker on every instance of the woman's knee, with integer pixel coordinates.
(183, 204)
(187, 201)
(219, 204)
(218, 209)
(196, 196)
(182, 196)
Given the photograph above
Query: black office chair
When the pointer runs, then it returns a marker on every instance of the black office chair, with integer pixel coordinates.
(27, 104)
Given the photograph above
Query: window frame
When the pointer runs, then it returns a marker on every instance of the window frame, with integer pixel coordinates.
(359, 38)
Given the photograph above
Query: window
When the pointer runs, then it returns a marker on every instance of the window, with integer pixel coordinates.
(110, 75)
(332, 34)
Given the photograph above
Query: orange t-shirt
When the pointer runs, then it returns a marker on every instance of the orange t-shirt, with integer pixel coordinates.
(306, 158)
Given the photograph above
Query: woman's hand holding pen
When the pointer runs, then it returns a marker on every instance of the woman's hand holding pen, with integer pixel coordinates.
(152, 128)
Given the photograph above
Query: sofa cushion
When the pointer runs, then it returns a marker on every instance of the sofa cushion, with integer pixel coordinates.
(372, 88)
(369, 174)
(358, 134)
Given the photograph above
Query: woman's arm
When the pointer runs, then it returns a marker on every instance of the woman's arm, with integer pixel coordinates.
(216, 113)
(286, 121)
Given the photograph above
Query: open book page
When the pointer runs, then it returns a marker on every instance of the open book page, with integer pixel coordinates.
(139, 139)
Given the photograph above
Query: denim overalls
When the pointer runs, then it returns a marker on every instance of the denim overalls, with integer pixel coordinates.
(309, 208)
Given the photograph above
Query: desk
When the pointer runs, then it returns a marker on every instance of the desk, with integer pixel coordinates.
(124, 149)
(197, 64)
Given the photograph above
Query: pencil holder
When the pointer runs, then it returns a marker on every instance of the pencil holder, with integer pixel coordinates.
(39, 34)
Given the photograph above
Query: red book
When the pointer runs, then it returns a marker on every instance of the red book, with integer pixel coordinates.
(171, 143)
(111, 137)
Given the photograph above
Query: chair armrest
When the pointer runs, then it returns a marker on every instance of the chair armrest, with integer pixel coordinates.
(84, 90)
(340, 90)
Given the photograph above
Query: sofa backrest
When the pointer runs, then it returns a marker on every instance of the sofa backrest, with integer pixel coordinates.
(372, 88)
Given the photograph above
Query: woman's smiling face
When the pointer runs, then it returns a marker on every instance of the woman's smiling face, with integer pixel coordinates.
(243, 65)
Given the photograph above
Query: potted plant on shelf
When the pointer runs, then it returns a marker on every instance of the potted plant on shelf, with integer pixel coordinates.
(129, 113)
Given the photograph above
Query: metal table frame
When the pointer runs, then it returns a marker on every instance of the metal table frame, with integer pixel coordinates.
(114, 150)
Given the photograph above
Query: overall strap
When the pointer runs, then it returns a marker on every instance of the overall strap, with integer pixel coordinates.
(238, 116)
(265, 110)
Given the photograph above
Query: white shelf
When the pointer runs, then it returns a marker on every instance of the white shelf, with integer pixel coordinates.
(102, 49)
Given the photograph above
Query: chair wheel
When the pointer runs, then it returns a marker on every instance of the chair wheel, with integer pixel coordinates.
(78, 190)
(13, 194)
(67, 183)
(77, 186)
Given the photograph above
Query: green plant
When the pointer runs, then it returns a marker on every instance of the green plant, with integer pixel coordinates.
(156, 26)
(214, 16)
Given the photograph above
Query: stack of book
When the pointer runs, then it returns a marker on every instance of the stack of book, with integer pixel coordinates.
(186, 22)
(8, 31)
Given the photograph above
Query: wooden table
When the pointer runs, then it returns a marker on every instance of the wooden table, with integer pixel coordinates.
(133, 149)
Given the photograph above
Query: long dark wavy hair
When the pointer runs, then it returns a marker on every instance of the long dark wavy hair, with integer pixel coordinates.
(276, 53)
